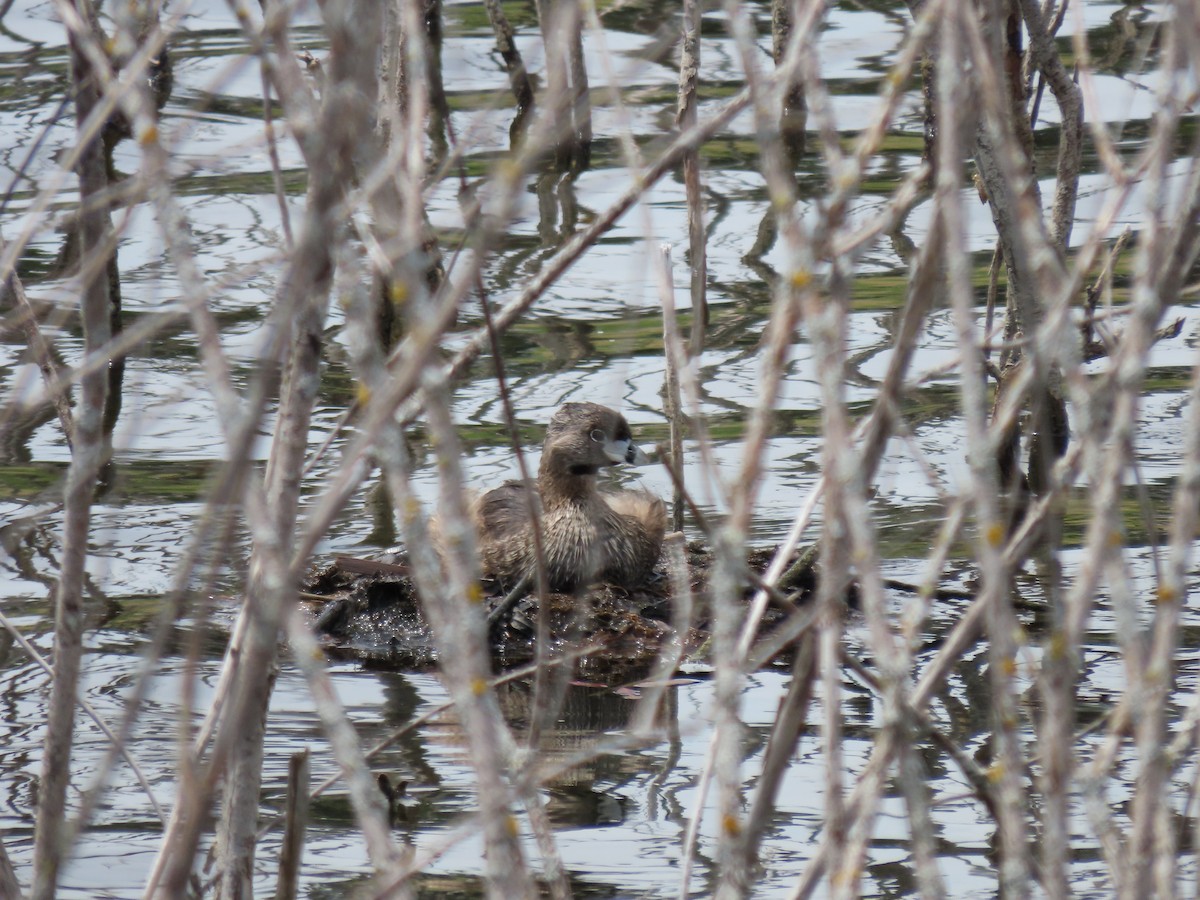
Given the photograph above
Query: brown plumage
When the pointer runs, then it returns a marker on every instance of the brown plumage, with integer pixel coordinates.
(587, 536)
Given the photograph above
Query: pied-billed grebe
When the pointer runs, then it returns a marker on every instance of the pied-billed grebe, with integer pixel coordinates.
(587, 536)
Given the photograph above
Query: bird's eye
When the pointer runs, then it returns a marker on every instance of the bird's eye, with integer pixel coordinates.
(598, 435)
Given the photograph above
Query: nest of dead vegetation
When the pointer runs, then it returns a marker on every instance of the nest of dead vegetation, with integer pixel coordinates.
(370, 610)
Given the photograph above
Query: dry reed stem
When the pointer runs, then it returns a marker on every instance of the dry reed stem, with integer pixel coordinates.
(89, 453)
(545, 711)
(231, 482)
(88, 127)
(729, 542)
(579, 95)
(780, 187)
(518, 75)
(285, 216)
(685, 117)
(365, 798)
(343, 117)
(1102, 141)
(671, 655)
(868, 784)
(1167, 252)
(12, 292)
(793, 714)
(1058, 668)
(451, 602)
(131, 93)
(295, 824)
(10, 887)
(675, 358)
(984, 488)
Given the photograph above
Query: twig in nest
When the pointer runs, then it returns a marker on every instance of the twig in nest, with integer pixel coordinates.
(505, 606)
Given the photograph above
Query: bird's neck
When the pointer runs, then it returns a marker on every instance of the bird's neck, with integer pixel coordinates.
(563, 484)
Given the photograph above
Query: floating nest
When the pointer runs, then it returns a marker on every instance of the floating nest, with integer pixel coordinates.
(371, 610)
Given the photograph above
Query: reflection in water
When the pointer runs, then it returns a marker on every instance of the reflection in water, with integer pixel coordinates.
(383, 516)
(401, 703)
(556, 194)
(439, 106)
